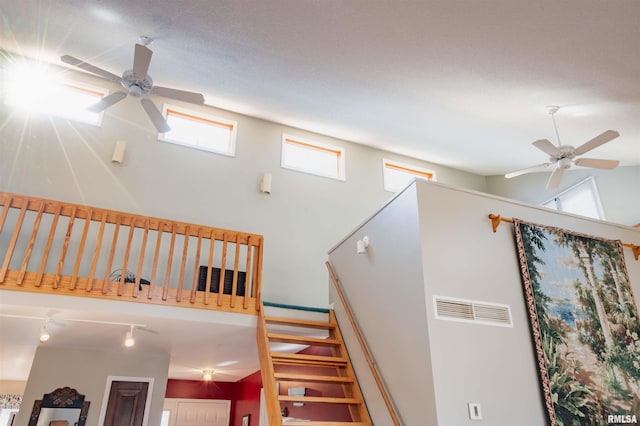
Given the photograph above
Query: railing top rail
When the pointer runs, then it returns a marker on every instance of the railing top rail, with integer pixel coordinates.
(128, 219)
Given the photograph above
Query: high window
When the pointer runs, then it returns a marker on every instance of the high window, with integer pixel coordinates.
(200, 131)
(34, 88)
(582, 199)
(398, 175)
(312, 157)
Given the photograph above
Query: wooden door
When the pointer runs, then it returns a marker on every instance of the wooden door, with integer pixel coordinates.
(126, 403)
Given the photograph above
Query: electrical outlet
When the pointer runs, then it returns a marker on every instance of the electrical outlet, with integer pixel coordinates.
(475, 413)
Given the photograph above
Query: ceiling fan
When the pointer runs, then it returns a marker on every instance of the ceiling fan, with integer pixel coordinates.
(563, 157)
(136, 83)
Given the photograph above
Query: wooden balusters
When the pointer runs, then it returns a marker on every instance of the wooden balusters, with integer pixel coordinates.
(96, 253)
(83, 240)
(32, 241)
(12, 243)
(90, 265)
(196, 268)
(65, 246)
(143, 247)
(47, 250)
(183, 264)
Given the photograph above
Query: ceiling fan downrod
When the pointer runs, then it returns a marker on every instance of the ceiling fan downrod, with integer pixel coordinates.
(552, 109)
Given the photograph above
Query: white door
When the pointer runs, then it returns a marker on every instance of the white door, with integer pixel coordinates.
(198, 412)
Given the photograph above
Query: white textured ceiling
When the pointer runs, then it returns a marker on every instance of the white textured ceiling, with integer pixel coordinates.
(461, 83)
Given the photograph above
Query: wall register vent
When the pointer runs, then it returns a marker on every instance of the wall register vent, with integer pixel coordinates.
(452, 309)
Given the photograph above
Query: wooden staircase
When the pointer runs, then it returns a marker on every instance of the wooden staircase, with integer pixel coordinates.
(320, 365)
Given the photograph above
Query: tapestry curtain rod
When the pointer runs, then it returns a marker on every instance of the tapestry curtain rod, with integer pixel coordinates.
(496, 219)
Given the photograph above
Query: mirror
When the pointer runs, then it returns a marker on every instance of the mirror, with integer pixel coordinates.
(62, 407)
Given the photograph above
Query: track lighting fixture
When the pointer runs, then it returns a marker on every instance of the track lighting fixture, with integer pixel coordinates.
(44, 332)
(129, 341)
(44, 329)
(207, 375)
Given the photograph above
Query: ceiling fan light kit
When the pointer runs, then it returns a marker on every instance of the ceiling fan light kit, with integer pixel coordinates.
(563, 157)
(137, 84)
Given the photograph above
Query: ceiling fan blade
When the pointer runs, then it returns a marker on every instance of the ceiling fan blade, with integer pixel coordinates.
(537, 168)
(546, 146)
(107, 101)
(181, 95)
(597, 163)
(141, 61)
(90, 68)
(555, 178)
(155, 115)
(601, 139)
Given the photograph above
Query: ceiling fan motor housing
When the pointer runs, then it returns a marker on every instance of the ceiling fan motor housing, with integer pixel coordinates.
(565, 152)
(135, 86)
(564, 163)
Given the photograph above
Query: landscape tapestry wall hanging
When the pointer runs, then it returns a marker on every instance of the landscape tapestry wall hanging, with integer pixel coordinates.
(584, 323)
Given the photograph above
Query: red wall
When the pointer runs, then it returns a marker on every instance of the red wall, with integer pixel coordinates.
(247, 399)
(198, 389)
(244, 394)
(333, 412)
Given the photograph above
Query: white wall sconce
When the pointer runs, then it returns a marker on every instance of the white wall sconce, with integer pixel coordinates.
(207, 375)
(265, 183)
(361, 245)
(118, 153)
(129, 340)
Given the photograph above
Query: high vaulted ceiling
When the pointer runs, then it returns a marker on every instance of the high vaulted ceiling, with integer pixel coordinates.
(461, 83)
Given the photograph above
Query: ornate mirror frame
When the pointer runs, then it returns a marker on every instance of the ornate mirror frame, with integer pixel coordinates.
(61, 398)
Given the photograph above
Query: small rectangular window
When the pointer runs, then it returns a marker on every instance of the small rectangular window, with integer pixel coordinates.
(76, 98)
(582, 199)
(312, 157)
(398, 175)
(200, 131)
(58, 98)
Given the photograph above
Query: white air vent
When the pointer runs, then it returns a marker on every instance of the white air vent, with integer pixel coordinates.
(448, 308)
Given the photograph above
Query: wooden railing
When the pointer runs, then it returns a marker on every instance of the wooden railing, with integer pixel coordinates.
(62, 248)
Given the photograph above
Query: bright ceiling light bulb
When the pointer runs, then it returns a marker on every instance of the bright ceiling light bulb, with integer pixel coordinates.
(44, 333)
(128, 341)
(207, 375)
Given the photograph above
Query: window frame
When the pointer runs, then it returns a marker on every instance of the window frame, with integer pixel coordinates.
(590, 182)
(409, 169)
(201, 117)
(312, 145)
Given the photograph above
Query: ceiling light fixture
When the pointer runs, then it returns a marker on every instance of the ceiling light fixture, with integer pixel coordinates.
(129, 341)
(44, 332)
(44, 329)
(207, 375)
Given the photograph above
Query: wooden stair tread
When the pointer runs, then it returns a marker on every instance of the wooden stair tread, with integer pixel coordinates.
(313, 378)
(303, 340)
(320, 399)
(299, 323)
(304, 359)
(322, 423)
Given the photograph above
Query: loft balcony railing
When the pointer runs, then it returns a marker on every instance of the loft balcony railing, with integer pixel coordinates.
(69, 249)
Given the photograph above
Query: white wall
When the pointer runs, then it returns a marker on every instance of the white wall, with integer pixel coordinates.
(459, 256)
(386, 293)
(302, 218)
(59, 367)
